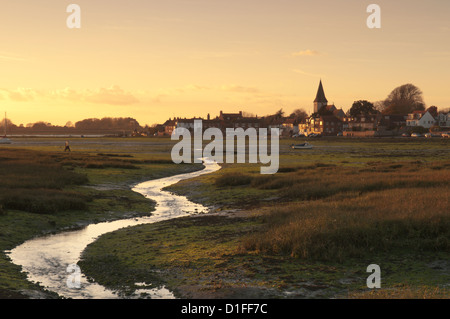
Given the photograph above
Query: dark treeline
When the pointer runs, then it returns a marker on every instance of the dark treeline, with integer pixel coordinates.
(120, 125)
(108, 123)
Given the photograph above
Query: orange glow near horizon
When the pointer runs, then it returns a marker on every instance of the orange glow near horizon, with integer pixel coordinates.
(152, 60)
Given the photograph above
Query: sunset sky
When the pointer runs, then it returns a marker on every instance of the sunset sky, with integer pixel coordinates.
(152, 59)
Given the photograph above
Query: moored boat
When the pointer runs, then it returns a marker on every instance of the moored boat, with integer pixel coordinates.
(302, 146)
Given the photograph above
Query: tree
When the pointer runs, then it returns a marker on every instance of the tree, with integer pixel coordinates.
(403, 100)
(41, 125)
(274, 118)
(433, 111)
(379, 106)
(8, 123)
(362, 107)
(279, 114)
(299, 114)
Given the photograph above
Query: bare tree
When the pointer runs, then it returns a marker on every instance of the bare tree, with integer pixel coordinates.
(404, 99)
(379, 106)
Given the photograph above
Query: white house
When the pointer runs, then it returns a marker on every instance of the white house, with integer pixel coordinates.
(420, 118)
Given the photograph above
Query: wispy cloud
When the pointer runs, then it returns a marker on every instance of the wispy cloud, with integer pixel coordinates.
(170, 92)
(220, 54)
(306, 73)
(306, 53)
(11, 57)
(239, 89)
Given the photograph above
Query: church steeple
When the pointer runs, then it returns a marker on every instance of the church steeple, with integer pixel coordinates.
(320, 100)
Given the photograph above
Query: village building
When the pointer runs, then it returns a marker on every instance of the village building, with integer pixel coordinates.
(289, 126)
(420, 118)
(247, 122)
(169, 126)
(223, 121)
(444, 120)
(324, 125)
(362, 123)
(187, 123)
(230, 117)
(389, 122)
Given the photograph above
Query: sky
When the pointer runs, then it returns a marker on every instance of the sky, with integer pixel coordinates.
(154, 59)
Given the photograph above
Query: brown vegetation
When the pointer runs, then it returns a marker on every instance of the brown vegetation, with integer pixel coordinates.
(334, 212)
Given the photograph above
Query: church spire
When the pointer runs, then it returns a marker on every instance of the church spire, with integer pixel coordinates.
(320, 97)
(320, 100)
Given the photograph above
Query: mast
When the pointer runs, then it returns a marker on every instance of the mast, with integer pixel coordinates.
(5, 124)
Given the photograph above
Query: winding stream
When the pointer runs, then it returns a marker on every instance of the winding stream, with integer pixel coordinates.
(45, 259)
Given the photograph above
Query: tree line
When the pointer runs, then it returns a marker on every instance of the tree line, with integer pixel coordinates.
(93, 124)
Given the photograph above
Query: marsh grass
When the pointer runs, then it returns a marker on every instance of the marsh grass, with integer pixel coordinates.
(233, 179)
(332, 212)
(36, 181)
(321, 180)
(415, 219)
(403, 292)
(44, 201)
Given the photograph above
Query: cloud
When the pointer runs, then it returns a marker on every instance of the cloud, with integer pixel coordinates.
(195, 87)
(68, 94)
(10, 57)
(113, 96)
(306, 53)
(239, 89)
(306, 73)
(19, 94)
(221, 54)
(171, 92)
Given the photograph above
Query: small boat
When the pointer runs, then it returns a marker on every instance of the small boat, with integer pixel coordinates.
(302, 146)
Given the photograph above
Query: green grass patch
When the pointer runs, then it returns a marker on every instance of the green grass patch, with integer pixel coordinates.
(44, 190)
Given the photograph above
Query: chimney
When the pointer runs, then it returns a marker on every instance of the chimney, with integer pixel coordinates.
(208, 117)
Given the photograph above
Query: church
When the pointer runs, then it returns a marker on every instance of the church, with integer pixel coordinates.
(321, 104)
(326, 119)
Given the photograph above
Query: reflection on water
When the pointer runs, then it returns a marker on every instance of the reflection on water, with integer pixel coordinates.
(45, 259)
